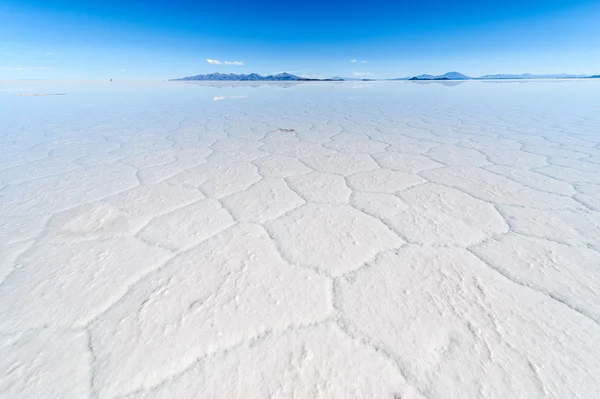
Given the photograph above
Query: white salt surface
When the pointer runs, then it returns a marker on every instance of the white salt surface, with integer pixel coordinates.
(319, 240)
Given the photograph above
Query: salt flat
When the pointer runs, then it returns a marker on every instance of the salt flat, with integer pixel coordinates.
(316, 240)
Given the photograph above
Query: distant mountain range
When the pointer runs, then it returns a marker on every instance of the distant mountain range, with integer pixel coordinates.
(446, 76)
(287, 77)
(253, 76)
(460, 76)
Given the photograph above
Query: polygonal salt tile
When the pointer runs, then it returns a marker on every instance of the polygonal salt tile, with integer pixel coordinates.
(187, 226)
(158, 174)
(56, 193)
(45, 364)
(565, 226)
(356, 146)
(218, 179)
(19, 228)
(577, 164)
(570, 140)
(414, 147)
(349, 137)
(459, 329)
(589, 195)
(9, 254)
(244, 155)
(418, 133)
(383, 181)
(140, 144)
(68, 284)
(553, 151)
(569, 175)
(332, 238)
(12, 157)
(279, 137)
(279, 166)
(455, 155)
(409, 163)
(593, 159)
(517, 159)
(435, 215)
(568, 274)
(299, 149)
(229, 289)
(321, 188)
(536, 181)
(321, 134)
(486, 144)
(151, 158)
(97, 159)
(495, 188)
(44, 167)
(589, 189)
(119, 215)
(341, 164)
(316, 362)
(231, 144)
(265, 200)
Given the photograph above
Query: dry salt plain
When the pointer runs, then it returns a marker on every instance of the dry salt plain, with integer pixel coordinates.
(318, 240)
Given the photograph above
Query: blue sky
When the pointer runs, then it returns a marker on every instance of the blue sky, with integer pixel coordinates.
(65, 39)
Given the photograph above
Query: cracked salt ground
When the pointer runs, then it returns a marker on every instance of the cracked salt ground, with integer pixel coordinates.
(406, 242)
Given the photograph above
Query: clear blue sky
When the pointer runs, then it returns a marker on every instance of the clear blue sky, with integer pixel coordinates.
(155, 39)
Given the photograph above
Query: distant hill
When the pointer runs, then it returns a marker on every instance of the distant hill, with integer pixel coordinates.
(595, 77)
(446, 76)
(253, 76)
(530, 76)
(460, 76)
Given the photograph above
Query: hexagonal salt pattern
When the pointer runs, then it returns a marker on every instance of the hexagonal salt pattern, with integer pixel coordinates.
(341, 238)
(459, 329)
(369, 240)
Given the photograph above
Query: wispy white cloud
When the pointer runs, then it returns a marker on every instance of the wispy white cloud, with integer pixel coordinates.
(43, 69)
(353, 61)
(364, 62)
(122, 70)
(217, 62)
(11, 69)
(49, 53)
(359, 74)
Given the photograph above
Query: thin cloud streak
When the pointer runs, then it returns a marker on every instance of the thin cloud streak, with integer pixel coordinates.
(217, 62)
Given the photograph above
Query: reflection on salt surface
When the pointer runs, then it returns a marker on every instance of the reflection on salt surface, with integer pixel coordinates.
(145, 226)
(447, 83)
(40, 94)
(223, 84)
(219, 98)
